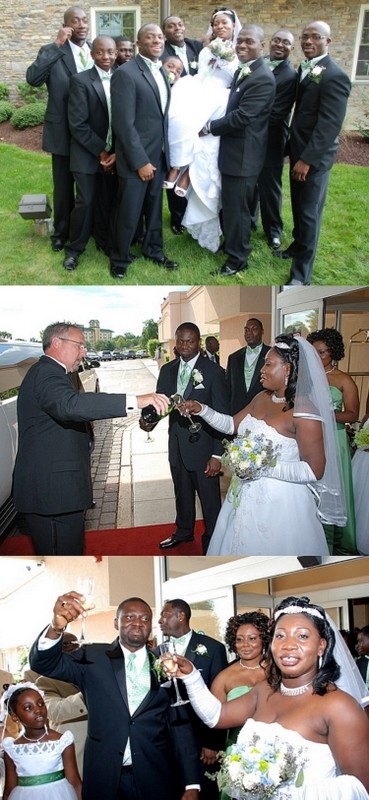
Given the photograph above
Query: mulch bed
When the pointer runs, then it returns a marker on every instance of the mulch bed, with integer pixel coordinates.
(354, 149)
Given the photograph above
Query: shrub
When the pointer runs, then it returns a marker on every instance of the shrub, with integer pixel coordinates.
(29, 115)
(4, 91)
(32, 94)
(6, 110)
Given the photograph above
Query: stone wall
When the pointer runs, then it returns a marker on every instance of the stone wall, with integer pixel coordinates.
(28, 24)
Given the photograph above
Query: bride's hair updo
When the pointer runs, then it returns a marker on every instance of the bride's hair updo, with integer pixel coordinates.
(328, 671)
(223, 10)
(289, 353)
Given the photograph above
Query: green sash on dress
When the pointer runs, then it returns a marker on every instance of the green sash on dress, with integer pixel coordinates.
(37, 780)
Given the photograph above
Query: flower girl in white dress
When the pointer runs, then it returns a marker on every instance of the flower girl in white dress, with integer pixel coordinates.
(41, 763)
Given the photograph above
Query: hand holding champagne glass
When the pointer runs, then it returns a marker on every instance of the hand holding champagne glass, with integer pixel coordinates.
(85, 586)
(166, 652)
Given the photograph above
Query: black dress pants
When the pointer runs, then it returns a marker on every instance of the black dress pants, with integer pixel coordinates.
(57, 535)
(63, 196)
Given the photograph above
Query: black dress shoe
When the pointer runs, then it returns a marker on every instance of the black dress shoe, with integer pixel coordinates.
(274, 242)
(283, 254)
(171, 542)
(177, 229)
(163, 262)
(70, 263)
(57, 245)
(229, 270)
(117, 271)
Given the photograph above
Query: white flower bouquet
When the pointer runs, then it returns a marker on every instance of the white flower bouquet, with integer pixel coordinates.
(361, 438)
(248, 459)
(255, 770)
(222, 50)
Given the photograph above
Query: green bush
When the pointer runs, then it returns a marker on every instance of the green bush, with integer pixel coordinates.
(4, 91)
(29, 115)
(6, 110)
(32, 94)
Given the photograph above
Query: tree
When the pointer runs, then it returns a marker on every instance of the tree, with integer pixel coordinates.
(149, 331)
(102, 345)
(5, 335)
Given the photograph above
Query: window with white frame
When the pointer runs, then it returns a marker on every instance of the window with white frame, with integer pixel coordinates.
(361, 55)
(115, 21)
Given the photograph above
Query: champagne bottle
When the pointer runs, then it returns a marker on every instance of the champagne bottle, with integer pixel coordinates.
(151, 416)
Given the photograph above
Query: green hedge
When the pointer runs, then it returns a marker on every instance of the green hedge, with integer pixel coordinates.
(6, 110)
(29, 115)
(32, 94)
(4, 91)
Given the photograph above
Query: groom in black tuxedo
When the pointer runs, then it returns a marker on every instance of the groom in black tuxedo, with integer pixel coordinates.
(133, 730)
(210, 657)
(243, 135)
(192, 457)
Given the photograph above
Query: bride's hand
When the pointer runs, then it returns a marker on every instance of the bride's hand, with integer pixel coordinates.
(189, 407)
(184, 666)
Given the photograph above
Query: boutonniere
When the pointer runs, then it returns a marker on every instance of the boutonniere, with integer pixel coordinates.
(196, 377)
(200, 650)
(158, 669)
(171, 77)
(194, 64)
(244, 72)
(316, 73)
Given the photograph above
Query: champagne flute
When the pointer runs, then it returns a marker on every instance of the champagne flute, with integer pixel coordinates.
(195, 427)
(85, 586)
(166, 652)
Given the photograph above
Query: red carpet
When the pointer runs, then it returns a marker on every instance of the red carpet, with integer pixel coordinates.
(143, 541)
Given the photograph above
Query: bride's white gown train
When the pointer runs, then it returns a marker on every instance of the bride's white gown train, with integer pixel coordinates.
(194, 101)
(321, 781)
(273, 517)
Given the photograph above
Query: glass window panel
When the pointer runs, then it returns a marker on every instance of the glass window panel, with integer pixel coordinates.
(362, 64)
(303, 322)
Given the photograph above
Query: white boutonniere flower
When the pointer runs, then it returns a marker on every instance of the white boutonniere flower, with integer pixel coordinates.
(244, 72)
(316, 73)
(171, 77)
(201, 650)
(194, 64)
(196, 377)
(158, 668)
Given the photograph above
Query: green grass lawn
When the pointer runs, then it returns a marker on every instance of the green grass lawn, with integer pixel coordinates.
(26, 258)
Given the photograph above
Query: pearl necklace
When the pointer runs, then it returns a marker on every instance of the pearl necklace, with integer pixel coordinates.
(288, 692)
(276, 399)
(35, 740)
(245, 667)
(327, 371)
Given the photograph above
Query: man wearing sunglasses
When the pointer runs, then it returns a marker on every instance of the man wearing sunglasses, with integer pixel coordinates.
(52, 479)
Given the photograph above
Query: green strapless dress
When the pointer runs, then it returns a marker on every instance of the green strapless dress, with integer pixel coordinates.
(342, 541)
(238, 691)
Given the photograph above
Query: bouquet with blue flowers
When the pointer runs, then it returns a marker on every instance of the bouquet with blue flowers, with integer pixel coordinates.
(222, 50)
(248, 458)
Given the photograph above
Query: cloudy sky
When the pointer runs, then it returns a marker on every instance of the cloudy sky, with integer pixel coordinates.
(26, 310)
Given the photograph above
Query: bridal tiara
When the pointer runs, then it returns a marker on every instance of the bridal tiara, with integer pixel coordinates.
(14, 687)
(298, 610)
(281, 345)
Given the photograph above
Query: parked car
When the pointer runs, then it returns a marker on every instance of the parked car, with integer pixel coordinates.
(15, 360)
(129, 354)
(142, 354)
(117, 355)
(105, 355)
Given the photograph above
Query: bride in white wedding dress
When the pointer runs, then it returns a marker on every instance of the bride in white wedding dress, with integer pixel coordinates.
(281, 512)
(194, 101)
(301, 704)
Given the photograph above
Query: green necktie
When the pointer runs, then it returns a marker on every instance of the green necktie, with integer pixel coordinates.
(183, 378)
(83, 58)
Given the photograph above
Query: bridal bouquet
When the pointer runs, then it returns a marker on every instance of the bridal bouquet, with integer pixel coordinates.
(248, 458)
(222, 50)
(361, 438)
(255, 770)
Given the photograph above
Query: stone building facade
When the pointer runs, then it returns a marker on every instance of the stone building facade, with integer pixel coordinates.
(28, 24)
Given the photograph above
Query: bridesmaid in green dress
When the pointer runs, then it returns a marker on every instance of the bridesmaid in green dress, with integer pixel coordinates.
(329, 345)
(247, 636)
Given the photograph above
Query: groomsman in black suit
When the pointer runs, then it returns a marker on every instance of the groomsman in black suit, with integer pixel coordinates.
(54, 65)
(209, 656)
(92, 159)
(192, 457)
(362, 647)
(244, 134)
(140, 96)
(321, 102)
(269, 186)
(243, 367)
(212, 348)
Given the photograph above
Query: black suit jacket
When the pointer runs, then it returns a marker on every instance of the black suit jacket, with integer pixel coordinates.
(140, 127)
(362, 665)
(239, 397)
(52, 468)
(164, 755)
(88, 121)
(54, 66)
(244, 128)
(214, 393)
(320, 109)
(193, 47)
(286, 82)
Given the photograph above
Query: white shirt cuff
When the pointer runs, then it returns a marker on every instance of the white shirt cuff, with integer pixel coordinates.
(131, 402)
(44, 643)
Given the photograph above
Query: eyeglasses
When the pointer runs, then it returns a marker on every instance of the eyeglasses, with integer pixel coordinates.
(80, 345)
(315, 37)
(286, 42)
